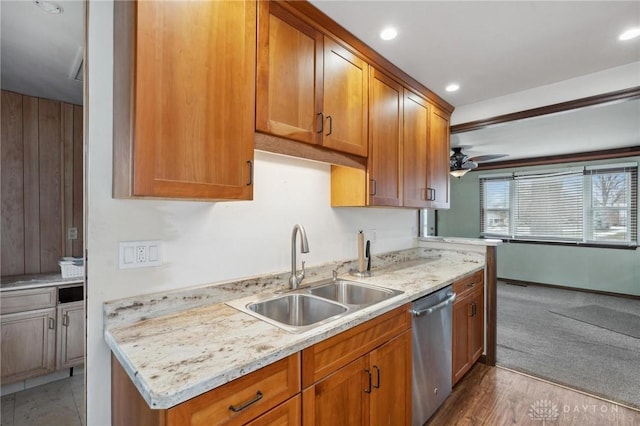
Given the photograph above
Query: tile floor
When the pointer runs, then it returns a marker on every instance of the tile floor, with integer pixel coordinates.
(59, 403)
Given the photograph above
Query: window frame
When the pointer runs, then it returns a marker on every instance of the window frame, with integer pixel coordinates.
(588, 230)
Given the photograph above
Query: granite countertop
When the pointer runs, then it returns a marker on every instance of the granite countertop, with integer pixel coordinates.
(181, 353)
(23, 282)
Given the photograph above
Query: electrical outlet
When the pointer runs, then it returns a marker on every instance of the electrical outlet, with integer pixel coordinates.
(139, 254)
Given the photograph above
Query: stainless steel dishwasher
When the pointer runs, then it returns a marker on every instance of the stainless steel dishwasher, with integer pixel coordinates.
(431, 384)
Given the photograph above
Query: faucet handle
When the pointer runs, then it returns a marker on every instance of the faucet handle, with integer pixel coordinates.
(334, 273)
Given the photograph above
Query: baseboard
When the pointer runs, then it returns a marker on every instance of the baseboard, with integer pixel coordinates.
(563, 287)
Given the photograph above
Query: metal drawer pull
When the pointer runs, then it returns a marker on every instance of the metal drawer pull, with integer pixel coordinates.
(321, 115)
(52, 323)
(377, 385)
(330, 125)
(246, 404)
(450, 299)
(250, 163)
(368, 390)
(65, 320)
(374, 185)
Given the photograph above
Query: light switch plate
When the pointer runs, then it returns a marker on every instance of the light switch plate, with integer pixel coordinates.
(139, 254)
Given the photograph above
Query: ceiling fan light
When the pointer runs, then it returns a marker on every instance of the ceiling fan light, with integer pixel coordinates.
(459, 172)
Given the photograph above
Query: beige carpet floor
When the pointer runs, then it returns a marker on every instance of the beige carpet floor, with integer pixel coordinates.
(533, 339)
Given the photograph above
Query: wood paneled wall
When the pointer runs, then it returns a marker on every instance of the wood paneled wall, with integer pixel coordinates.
(42, 183)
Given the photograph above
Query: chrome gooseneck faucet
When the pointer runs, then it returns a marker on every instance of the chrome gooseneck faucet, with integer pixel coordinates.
(295, 279)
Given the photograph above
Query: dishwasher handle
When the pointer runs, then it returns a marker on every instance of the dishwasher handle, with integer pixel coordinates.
(450, 298)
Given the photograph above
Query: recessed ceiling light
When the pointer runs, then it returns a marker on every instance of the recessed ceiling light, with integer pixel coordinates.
(388, 33)
(452, 87)
(629, 34)
(48, 7)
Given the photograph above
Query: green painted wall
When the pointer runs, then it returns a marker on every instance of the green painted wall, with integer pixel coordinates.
(612, 270)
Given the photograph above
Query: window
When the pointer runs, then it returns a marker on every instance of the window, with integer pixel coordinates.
(582, 205)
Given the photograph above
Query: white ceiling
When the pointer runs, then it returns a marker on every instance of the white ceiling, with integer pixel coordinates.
(491, 48)
(41, 51)
(614, 125)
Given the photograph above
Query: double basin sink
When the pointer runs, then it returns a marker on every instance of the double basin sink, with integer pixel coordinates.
(321, 302)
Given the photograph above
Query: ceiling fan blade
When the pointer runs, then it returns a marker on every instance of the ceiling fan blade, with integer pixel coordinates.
(480, 158)
(469, 165)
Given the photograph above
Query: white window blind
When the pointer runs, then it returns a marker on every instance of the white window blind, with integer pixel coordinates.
(612, 207)
(592, 205)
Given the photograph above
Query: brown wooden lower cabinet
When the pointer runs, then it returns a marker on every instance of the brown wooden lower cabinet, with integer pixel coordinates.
(373, 389)
(361, 376)
(468, 324)
(235, 403)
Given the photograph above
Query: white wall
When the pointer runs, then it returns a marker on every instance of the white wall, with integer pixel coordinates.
(204, 242)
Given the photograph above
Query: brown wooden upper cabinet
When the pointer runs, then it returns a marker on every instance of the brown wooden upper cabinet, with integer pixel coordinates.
(184, 96)
(309, 88)
(415, 141)
(438, 160)
(381, 183)
(425, 154)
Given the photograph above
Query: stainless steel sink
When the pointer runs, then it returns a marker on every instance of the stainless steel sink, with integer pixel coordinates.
(352, 293)
(297, 310)
(314, 305)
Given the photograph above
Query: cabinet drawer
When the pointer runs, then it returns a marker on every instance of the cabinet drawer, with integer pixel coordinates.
(285, 414)
(325, 357)
(268, 387)
(27, 300)
(466, 285)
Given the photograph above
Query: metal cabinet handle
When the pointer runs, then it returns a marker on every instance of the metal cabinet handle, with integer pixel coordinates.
(377, 384)
(250, 163)
(374, 186)
(330, 125)
(368, 390)
(241, 407)
(473, 309)
(52, 323)
(321, 115)
(65, 320)
(431, 194)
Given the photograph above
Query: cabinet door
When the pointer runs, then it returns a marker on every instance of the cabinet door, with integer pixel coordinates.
(345, 100)
(385, 140)
(438, 160)
(339, 399)
(70, 339)
(289, 76)
(194, 99)
(416, 138)
(285, 414)
(28, 344)
(460, 349)
(390, 366)
(476, 324)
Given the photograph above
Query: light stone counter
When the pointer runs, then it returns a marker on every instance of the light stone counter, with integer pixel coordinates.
(197, 343)
(23, 282)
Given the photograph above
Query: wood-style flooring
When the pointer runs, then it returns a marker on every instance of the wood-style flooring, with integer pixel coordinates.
(496, 396)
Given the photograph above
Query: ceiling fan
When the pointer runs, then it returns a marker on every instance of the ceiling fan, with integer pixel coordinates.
(461, 163)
